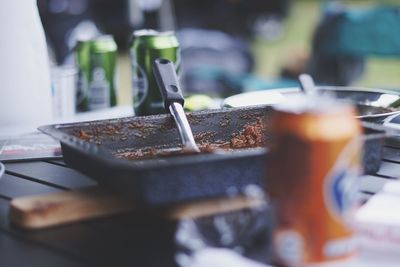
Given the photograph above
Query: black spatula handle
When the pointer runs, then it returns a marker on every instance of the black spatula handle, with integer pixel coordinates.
(165, 74)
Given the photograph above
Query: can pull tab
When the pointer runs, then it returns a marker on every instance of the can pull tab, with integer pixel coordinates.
(167, 80)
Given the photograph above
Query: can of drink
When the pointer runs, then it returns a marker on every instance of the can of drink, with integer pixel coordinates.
(96, 63)
(147, 46)
(311, 180)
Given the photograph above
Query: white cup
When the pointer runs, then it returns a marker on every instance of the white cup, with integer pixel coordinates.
(63, 84)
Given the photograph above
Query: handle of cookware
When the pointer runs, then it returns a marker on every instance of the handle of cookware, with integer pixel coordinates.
(307, 84)
(167, 80)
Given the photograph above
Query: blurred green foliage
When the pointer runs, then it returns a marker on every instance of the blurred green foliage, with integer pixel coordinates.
(271, 56)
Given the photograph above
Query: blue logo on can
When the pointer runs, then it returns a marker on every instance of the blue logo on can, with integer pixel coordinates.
(340, 185)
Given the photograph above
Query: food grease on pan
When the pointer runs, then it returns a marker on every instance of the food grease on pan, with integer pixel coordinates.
(95, 132)
(251, 136)
(212, 130)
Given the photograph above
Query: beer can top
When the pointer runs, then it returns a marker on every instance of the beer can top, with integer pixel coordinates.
(151, 32)
(99, 38)
(154, 39)
(104, 38)
(103, 44)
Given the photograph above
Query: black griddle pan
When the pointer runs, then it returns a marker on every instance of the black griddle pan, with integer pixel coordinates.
(164, 180)
(174, 179)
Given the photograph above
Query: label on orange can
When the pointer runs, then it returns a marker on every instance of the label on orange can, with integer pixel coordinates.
(340, 186)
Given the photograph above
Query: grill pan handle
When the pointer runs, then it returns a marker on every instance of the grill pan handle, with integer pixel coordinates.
(165, 74)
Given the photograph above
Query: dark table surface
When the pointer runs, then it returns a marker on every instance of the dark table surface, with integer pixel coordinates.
(132, 239)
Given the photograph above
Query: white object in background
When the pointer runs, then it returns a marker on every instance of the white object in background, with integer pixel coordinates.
(254, 98)
(378, 224)
(381, 209)
(219, 257)
(392, 187)
(25, 92)
(63, 83)
(222, 257)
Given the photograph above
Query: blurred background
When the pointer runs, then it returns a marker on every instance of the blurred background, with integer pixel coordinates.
(231, 46)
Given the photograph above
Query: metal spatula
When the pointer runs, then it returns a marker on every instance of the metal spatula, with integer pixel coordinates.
(164, 72)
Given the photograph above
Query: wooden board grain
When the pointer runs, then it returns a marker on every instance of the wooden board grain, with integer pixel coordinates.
(41, 211)
(129, 239)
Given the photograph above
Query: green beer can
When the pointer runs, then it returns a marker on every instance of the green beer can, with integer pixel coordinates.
(96, 63)
(147, 46)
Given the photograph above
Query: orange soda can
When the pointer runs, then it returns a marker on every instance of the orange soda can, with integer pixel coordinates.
(312, 169)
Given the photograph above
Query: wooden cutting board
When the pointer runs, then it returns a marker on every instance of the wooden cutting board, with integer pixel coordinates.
(42, 211)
